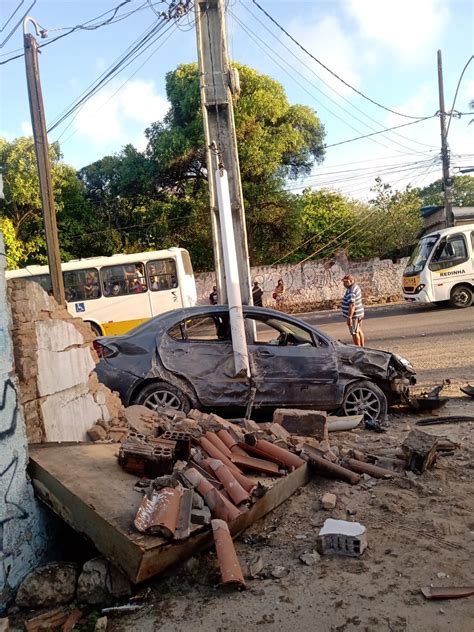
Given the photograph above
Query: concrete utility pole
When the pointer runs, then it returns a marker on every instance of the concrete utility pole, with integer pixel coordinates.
(218, 81)
(447, 182)
(42, 159)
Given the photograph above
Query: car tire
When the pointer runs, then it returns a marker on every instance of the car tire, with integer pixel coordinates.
(365, 398)
(95, 328)
(461, 296)
(156, 395)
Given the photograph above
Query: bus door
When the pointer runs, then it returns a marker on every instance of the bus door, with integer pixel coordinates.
(164, 290)
(450, 264)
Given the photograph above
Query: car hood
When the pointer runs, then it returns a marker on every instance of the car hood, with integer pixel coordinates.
(373, 363)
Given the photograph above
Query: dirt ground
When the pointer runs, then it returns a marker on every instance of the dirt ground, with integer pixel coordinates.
(420, 533)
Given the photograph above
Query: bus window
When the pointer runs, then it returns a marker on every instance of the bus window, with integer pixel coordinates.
(161, 275)
(123, 279)
(472, 242)
(81, 285)
(188, 268)
(449, 252)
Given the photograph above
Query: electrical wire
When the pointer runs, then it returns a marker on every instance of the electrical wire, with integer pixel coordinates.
(456, 94)
(388, 129)
(10, 35)
(310, 69)
(295, 41)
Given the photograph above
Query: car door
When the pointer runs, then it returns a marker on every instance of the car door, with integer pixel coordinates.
(302, 372)
(200, 350)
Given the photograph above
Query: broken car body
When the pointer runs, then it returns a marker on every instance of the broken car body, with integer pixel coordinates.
(184, 359)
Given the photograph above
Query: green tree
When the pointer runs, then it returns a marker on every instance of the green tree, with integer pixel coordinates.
(394, 223)
(276, 141)
(21, 208)
(463, 192)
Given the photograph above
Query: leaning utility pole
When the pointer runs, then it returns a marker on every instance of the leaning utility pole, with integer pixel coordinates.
(42, 159)
(447, 182)
(218, 82)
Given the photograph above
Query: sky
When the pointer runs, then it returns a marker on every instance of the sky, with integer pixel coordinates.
(385, 49)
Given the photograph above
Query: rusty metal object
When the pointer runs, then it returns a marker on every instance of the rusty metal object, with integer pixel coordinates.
(326, 468)
(258, 465)
(236, 492)
(431, 592)
(367, 468)
(231, 573)
(159, 512)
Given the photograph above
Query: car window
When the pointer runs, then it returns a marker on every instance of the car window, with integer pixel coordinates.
(280, 332)
(123, 279)
(215, 328)
(81, 285)
(451, 251)
(161, 275)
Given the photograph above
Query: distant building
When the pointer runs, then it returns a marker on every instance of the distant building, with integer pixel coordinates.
(434, 217)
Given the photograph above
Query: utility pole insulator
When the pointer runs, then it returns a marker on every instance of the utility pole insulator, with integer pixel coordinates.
(44, 167)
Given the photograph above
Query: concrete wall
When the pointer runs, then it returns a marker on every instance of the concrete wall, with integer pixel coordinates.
(54, 360)
(317, 284)
(24, 523)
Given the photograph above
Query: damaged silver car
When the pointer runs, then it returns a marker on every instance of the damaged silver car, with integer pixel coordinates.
(183, 359)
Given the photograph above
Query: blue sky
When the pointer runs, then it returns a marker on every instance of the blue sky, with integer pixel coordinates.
(384, 48)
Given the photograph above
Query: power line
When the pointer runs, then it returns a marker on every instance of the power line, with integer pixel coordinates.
(10, 35)
(295, 41)
(308, 67)
(388, 129)
(456, 94)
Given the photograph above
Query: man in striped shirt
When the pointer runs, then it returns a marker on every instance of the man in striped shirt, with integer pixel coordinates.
(353, 309)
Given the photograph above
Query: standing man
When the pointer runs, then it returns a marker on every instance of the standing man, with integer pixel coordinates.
(353, 309)
(213, 296)
(257, 294)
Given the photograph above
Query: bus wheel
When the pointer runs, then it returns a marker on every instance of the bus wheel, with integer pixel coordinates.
(158, 395)
(95, 328)
(461, 296)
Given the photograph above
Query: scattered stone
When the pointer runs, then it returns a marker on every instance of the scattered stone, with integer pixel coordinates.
(310, 559)
(48, 586)
(329, 501)
(142, 420)
(279, 571)
(50, 620)
(101, 582)
(255, 566)
(101, 624)
(442, 575)
(309, 423)
(97, 433)
(4, 625)
(300, 536)
(339, 537)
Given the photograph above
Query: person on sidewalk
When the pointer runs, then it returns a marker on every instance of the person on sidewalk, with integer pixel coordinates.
(353, 309)
(257, 294)
(213, 296)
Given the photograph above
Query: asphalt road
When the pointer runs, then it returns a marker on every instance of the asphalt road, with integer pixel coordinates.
(439, 341)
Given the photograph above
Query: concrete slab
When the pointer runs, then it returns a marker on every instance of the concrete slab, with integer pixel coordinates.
(86, 487)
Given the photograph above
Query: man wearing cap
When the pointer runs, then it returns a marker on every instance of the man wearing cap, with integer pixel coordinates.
(353, 309)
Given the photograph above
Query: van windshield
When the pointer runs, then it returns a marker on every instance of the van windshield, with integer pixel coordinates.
(420, 255)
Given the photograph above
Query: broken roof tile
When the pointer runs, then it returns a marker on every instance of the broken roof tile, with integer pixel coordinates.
(231, 573)
(236, 492)
(159, 512)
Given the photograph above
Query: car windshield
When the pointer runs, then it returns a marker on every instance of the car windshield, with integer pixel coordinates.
(420, 255)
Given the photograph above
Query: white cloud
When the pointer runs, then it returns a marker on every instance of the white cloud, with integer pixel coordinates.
(325, 38)
(109, 118)
(407, 27)
(26, 128)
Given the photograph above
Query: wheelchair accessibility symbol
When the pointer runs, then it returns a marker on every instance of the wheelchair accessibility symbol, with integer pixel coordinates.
(80, 307)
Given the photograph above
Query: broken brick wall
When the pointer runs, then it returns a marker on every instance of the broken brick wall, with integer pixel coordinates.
(26, 527)
(317, 284)
(54, 361)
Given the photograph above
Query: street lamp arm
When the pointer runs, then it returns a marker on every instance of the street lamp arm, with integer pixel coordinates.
(40, 32)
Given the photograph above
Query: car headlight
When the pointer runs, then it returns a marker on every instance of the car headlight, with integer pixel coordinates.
(404, 362)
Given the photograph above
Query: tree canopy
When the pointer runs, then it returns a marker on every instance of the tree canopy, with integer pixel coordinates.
(463, 192)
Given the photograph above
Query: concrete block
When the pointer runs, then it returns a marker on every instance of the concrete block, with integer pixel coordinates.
(96, 433)
(311, 423)
(329, 501)
(340, 537)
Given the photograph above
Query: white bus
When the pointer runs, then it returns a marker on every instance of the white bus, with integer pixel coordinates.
(441, 268)
(117, 293)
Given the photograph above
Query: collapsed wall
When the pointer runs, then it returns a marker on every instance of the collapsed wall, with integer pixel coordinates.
(54, 361)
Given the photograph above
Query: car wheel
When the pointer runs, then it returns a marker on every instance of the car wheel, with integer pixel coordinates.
(158, 395)
(461, 296)
(95, 328)
(365, 398)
